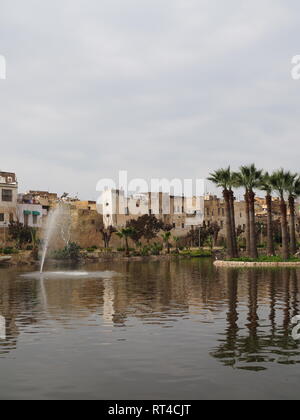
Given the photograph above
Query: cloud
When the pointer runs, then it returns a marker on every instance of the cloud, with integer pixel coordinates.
(170, 89)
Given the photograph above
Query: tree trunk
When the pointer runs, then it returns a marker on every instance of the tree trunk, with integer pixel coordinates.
(284, 230)
(253, 243)
(229, 238)
(127, 246)
(234, 236)
(270, 234)
(292, 225)
(247, 233)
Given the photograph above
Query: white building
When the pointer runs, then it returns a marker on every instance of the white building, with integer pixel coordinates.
(31, 214)
(8, 198)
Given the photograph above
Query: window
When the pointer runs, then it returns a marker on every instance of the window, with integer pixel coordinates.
(34, 219)
(182, 225)
(7, 195)
(1, 217)
(11, 217)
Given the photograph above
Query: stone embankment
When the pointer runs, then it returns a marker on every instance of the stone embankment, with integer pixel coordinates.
(241, 264)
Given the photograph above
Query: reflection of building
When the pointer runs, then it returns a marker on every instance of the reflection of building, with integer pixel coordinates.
(108, 301)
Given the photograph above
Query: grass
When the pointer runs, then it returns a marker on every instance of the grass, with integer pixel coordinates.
(196, 253)
(265, 258)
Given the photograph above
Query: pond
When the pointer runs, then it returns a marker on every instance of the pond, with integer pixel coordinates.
(149, 330)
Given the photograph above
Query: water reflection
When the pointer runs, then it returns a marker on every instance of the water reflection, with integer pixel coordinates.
(243, 316)
(265, 337)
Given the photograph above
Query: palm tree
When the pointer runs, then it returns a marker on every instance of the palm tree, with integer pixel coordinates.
(293, 189)
(222, 178)
(266, 186)
(176, 240)
(126, 233)
(232, 214)
(280, 181)
(249, 177)
(166, 238)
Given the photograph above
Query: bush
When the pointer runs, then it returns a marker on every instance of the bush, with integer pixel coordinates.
(201, 253)
(8, 251)
(155, 249)
(70, 252)
(92, 249)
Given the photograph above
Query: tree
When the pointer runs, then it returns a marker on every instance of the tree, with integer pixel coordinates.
(280, 180)
(267, 187)
(166, 238)
(223, 178)
(126, 233)
(176, 240)
(146, 226)
(249, 177)
(293, 189)
(106, 232)
(214, 230)
(20, 233)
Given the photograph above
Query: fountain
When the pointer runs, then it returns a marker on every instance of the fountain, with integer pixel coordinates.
(56, 220)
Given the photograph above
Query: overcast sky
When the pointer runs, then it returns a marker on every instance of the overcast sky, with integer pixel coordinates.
(162, 88)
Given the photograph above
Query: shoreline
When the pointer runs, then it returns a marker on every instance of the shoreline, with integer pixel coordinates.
(242, 264)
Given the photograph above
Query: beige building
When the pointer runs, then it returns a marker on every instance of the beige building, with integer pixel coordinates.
(8, 197)
(8, 202)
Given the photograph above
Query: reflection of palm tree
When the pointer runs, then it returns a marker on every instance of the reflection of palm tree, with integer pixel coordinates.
(253, 351)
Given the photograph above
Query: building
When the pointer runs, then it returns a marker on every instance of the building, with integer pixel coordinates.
(31, 214)
(180, 212)
(8, 198)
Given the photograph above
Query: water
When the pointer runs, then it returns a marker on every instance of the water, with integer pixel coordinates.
(58, 224)
(159, 330)
(50, 229)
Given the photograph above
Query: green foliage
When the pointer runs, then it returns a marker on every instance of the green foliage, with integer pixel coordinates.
(8, 251)
(200, 253)
(146, 226)
(70, 252)
(92, 249)
(20, 233)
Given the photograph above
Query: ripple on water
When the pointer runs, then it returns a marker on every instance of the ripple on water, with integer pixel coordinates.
(71, 274)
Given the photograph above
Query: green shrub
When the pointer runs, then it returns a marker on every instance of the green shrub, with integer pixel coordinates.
(70, 252)
(92, 249)
(200, 253)
(8, 250)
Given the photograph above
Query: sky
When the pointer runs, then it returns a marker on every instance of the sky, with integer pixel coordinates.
(162, 89)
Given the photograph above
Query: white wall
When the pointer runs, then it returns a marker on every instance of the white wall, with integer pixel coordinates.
(30, 207)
